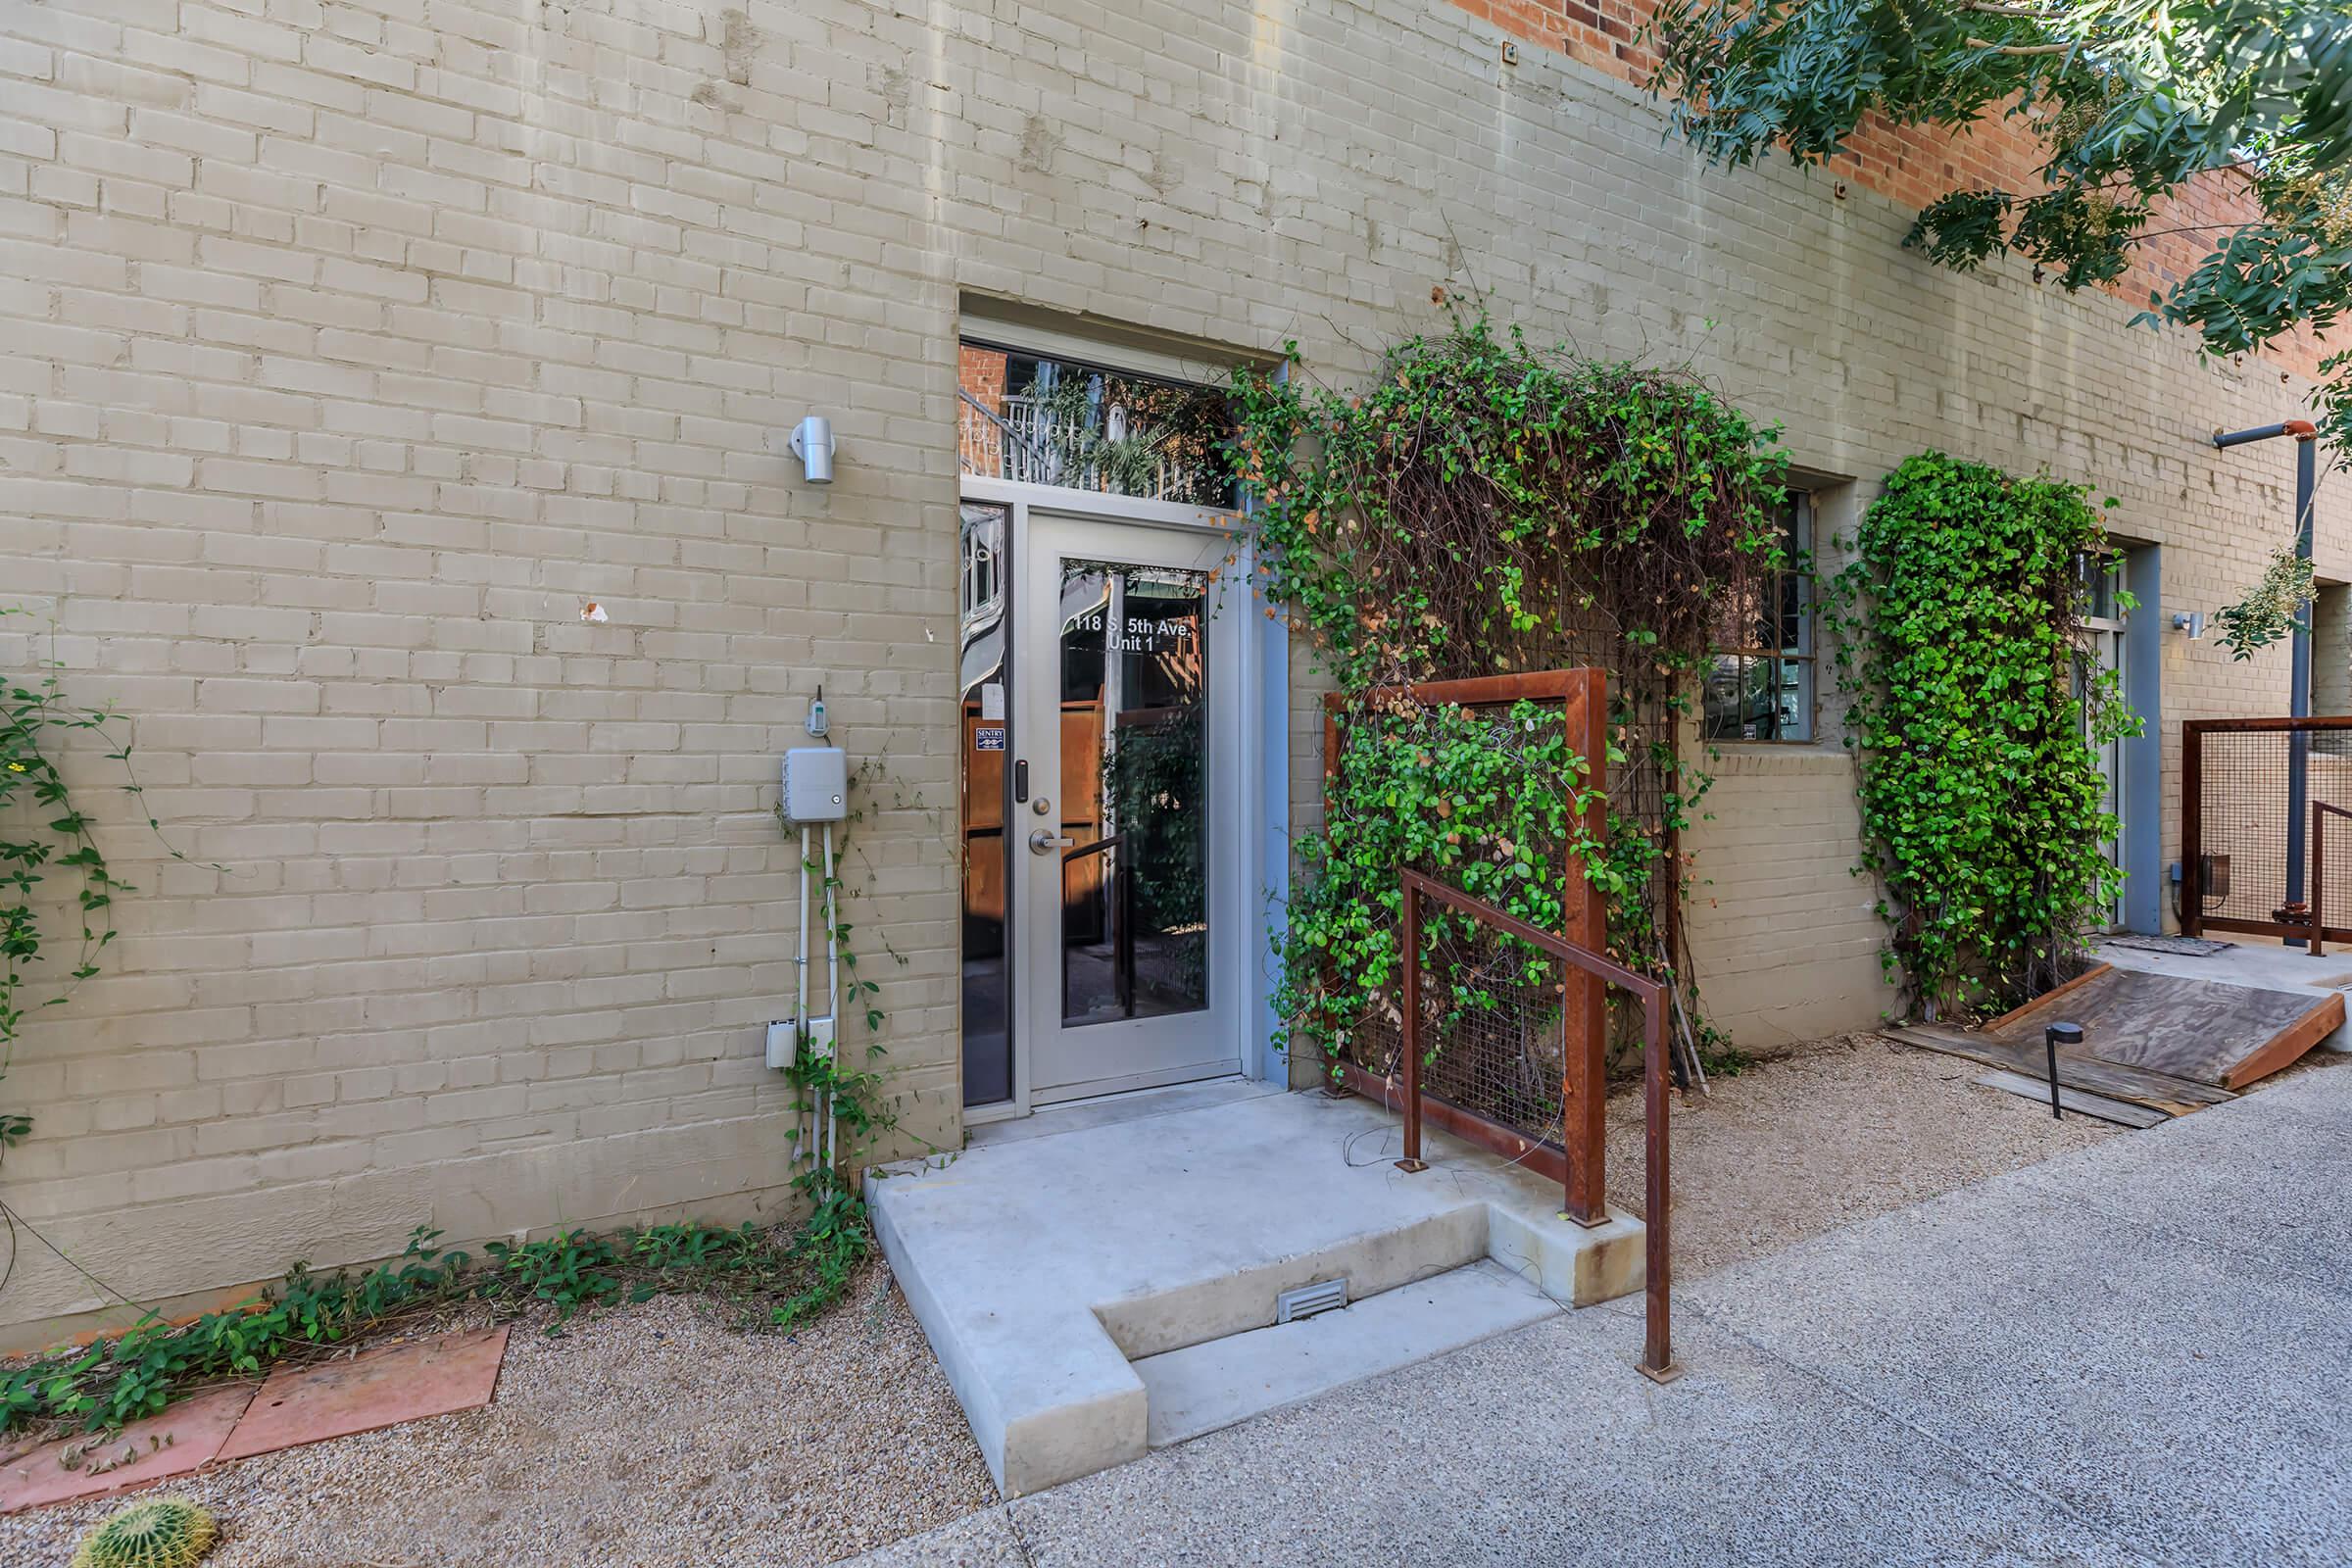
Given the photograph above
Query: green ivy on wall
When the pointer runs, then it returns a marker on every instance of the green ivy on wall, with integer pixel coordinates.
(1976, 718)
(1480, 508)
(44, 833)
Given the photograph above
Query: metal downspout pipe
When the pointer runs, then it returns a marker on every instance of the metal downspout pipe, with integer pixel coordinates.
(2298, 699)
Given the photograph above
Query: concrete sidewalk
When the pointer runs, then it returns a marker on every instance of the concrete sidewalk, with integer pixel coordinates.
(2136, 1354)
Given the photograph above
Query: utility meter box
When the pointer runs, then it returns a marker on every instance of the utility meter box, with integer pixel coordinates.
(816, 784)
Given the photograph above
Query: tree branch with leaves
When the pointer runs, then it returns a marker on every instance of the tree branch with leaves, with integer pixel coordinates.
(2131, 100)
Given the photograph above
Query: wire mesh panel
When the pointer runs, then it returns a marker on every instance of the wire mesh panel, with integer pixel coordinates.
(1501, 1017)
(1494, 1029)
(2248, 850)
(2243, 844)
(1464, 926)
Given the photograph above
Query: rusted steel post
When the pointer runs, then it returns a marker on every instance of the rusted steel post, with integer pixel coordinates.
(1657, 1341)
(2192, 831)
(1410, 1026)
(1585, 1025)
(2317, 947)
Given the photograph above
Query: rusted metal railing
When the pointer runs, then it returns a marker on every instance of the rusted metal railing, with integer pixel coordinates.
(2321, 811)
(1582, 1194)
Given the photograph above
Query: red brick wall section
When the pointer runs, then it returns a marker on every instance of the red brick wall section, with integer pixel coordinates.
(980, 373)
(1915, 165)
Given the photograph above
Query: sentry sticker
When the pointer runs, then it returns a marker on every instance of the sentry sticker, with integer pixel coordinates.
(988, 737)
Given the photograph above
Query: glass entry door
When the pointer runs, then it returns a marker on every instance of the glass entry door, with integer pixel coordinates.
(1126, 826)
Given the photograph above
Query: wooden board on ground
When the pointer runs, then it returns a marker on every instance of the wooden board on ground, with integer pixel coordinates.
(2120, 1111)
(2175, 1097)
(2201, 1030)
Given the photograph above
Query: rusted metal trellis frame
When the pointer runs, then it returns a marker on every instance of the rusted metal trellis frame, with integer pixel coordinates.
(2321, 811)
(1579, 1160)
(2290, 919)
(1657, 1352)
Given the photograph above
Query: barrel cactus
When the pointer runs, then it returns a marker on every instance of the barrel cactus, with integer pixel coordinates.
(152, 1533)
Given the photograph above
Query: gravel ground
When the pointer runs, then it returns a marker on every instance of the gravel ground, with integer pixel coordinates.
(653, 1435)
(644, 1434)
(1833, 1132)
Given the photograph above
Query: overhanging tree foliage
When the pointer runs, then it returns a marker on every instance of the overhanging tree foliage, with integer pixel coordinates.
(2130, 100)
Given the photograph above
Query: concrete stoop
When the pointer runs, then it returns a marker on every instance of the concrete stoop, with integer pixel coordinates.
(1097, 1292)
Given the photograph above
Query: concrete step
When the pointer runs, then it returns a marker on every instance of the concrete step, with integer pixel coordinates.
(1203, 1386)
(1043, 1268)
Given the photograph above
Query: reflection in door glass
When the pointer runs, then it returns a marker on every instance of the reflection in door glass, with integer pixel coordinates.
(987, 1000)
(1134, 787)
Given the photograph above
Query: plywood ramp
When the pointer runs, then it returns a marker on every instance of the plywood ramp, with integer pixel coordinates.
(2159, 1092)
(2200, 1030)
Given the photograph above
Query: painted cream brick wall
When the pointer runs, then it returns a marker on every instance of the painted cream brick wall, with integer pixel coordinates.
(351, 348)
(1784, 943)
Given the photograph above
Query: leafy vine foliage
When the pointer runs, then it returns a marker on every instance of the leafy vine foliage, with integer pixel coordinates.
(768, 1279)
(41, 833)
(837, 1235)
(1984, 811)
(1484, 801)
(1479, 507)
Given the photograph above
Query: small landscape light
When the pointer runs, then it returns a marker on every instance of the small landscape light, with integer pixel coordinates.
(2056, 1035)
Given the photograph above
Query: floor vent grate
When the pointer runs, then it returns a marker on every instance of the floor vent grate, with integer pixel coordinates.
(1324, 1295)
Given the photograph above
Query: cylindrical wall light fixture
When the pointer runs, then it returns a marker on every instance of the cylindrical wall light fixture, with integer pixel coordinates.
(813, 443)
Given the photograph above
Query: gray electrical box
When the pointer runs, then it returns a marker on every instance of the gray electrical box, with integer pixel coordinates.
(816, 784)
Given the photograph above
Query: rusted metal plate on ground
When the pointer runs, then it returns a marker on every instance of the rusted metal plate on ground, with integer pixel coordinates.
(183, 1438)
(375, 1389)
(2176, 1097)
(2202, 1030)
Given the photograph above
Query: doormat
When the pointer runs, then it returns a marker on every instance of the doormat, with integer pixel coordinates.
(2183, 946)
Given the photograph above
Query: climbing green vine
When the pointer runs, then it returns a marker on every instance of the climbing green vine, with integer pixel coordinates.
(1983, 814)
(1479, 507)
(829, 1083)
(1484, 801)
(43, 834)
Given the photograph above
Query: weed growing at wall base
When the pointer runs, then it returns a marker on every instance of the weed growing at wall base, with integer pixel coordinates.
(764, 1278)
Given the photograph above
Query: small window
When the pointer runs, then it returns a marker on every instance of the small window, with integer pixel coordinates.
(1043, 421)
(1759, 684)
(2101, 575)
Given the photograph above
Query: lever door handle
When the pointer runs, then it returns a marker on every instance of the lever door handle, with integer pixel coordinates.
(1045, 841)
